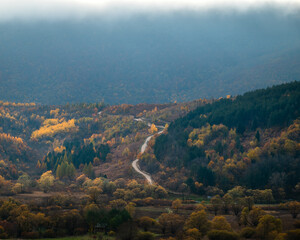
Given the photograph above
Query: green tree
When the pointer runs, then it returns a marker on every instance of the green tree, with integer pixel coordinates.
(25, 181)
(46, 181)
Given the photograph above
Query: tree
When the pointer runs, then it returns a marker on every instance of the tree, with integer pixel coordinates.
(216, 203)
(294, 208)
(226, 202)
(17, 188)
(118, 204)
(193, 234)
(46, 181)
(199, 221)
(160, 192)
(222, 235)
(257, 136)
(92, 214)
(71, 220)
(25, 181)
(220, 223)
(170, 221)
(88, 170)
(163, 220)
(237, 206)
(237, 192)
(252, 217)
(268, 227)
(94, 193)
(176, 204)
(130, 208)
(153, 128)
(146, 222)
(249, 202)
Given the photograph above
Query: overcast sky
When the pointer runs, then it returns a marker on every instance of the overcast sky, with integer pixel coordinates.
(80, 9)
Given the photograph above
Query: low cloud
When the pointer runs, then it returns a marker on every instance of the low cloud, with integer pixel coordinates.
(80, 9)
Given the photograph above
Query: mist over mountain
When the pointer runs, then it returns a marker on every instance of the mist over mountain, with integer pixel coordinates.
(162, 57)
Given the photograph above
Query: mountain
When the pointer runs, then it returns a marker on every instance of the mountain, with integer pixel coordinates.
(153, 59)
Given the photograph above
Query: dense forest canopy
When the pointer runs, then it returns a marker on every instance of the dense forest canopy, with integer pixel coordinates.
(249, 139)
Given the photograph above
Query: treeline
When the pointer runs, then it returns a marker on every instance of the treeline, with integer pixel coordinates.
(265, 108)
(49, 221)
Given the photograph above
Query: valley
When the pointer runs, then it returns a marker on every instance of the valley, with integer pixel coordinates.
(151, 171)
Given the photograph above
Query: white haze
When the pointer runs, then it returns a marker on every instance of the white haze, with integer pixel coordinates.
(80, 9)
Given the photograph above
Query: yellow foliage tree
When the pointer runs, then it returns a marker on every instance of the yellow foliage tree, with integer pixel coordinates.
(51, 127)
(153, 128)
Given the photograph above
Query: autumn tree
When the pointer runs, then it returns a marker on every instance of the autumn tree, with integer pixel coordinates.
(130, 208)
(94, 193)
(146, 222)
(249, 202)
(220, 223)
(176, 204)
(160, 192)
(170, 221)
(46, 181)
(118, 204)
(268, 227)
(222, 234)
(293, 207)
(199, 221)
(153, 129)
(237, 206)
(193, 234)
(226, 203)
(216, 203)
(251, 217)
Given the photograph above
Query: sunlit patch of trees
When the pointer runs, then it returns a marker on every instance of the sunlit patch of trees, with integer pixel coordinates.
(13, 104)
(51, 127)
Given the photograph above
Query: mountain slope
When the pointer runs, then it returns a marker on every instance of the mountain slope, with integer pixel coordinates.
(251, 140)
(158, 59)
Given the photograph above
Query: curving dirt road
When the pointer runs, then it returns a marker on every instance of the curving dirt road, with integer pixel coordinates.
(143, 148)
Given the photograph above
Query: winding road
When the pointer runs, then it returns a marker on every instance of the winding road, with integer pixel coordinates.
(143, 148)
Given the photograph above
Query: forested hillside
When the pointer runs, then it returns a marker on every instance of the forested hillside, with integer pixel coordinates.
(250, 140)
(67, 170)
(158, 59)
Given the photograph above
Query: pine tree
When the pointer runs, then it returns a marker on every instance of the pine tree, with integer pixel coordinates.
(257, 136)
(58, 172)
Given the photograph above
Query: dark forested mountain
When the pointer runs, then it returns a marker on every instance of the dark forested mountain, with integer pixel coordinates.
(147, 58)
(251, 140)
